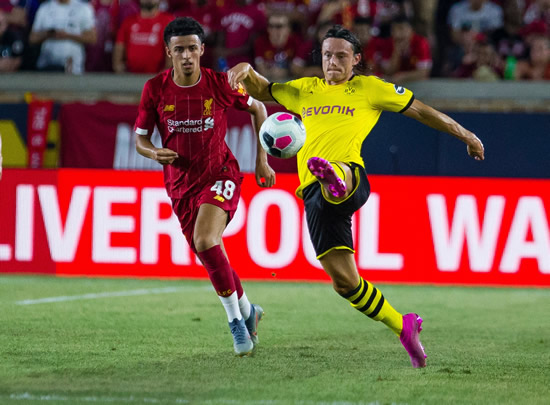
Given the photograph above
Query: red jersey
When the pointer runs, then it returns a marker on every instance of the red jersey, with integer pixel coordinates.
(418, 55)
(192, 121)
(207, 16)
(239, 24)
(291, 52)
(144, 42)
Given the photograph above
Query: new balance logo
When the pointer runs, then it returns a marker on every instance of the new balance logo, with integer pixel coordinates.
(169, 107)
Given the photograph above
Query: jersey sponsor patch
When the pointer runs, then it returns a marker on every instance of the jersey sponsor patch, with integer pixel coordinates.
(399, 89)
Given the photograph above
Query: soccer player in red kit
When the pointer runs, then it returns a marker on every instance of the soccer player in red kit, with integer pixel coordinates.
(188, 104)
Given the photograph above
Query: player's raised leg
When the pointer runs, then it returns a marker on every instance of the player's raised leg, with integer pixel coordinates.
(366, 298)
(209, 226)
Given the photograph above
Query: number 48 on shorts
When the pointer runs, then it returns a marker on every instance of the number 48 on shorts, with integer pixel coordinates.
(224, 188)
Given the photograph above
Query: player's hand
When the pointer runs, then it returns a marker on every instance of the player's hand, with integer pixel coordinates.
(60, 34)
(237, 74)
(265, 175)
(165, 156)
(475, 149)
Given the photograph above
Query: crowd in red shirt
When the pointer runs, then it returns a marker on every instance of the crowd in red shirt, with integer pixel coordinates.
(480, 39)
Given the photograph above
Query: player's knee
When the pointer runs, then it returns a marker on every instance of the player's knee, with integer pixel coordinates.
(204, 242)
(342, 287)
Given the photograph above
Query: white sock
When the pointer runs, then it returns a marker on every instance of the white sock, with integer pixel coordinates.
(231, 305)
(244, 305)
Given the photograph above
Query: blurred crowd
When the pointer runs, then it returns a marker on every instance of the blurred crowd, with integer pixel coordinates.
(403, 40)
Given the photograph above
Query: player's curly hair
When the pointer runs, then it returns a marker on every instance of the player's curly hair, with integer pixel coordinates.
(337, 31)
(181, 27)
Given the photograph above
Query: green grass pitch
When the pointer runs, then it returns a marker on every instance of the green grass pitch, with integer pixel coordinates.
(127, 341)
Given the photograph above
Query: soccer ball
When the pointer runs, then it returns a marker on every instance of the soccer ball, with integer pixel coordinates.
(282, 135)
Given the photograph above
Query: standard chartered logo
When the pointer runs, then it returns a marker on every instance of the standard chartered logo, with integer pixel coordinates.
(190, 126)
(208, 123)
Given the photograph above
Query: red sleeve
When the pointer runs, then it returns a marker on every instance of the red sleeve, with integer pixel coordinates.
(422, 49)
(147, 113)
(232, 98)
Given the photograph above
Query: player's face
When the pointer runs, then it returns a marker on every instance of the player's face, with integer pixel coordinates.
(338, 60)
(185, 53)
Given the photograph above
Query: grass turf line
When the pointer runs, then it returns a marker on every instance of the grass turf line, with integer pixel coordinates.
(484, 346)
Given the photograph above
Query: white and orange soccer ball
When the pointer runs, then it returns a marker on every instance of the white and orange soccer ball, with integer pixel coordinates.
(282, 135)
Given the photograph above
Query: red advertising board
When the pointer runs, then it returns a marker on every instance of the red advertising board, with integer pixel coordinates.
(100, 136)
(412, 230)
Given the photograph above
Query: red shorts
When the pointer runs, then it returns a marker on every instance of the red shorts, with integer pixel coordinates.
(223, 192)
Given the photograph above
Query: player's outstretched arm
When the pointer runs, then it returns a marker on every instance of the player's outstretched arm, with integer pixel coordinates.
(145, 147)
(265, 175)
(442, 122)
(255, 84)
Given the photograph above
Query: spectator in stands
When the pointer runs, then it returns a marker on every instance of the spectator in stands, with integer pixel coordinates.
(477, 15)
(483, 63)
(337, 12)
(406, 55)
(537, 66)
(384, 12)
(295, 10)
(465, 40)
(206, 13)
(423, 17)
(508, 40)
(109, 16)
(15, 12)
(63, 28)
(99, 56)
(278, 54)
(139, 46)
(535, 29)
(539, 10)
(241, 24)
(11, 46)
(313, 60)
(362, 28)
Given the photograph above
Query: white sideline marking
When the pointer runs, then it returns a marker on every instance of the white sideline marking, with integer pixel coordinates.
(52, 397)
(25, 396)
(92, 296)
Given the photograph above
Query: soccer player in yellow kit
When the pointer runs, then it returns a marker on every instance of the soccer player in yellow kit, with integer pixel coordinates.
(338, 112)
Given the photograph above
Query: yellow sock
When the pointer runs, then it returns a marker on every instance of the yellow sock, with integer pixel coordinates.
(367, 299)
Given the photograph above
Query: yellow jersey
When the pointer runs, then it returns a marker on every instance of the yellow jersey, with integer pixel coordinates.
(338, 118)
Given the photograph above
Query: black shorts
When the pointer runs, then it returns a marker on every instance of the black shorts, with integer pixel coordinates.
(329, 223)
